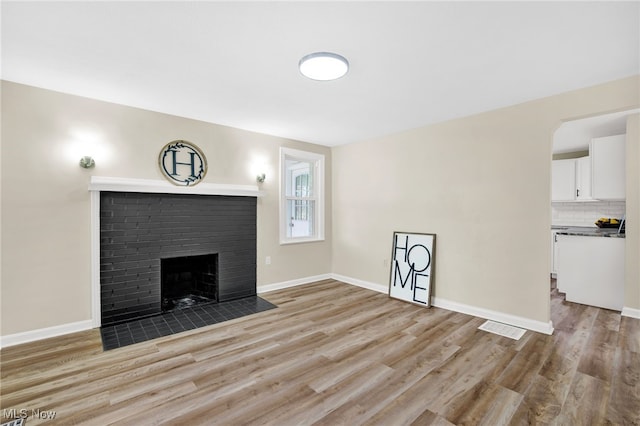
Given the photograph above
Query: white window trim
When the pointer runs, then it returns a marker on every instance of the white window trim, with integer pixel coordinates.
(319, 188)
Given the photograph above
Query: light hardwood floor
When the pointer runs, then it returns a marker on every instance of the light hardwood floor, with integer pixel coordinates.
(334, 354)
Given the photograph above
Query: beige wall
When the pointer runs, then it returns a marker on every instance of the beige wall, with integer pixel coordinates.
(632, 242)
(568, 155)
(45, 198)
(482, 184)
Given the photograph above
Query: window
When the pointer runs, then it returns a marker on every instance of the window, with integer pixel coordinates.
(301, 196)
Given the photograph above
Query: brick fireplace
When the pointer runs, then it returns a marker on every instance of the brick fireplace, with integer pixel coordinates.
(203, 238)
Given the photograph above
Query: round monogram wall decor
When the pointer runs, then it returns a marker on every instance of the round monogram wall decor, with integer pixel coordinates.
(182, 163)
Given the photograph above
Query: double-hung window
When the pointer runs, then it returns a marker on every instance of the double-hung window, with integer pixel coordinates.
(301, 196)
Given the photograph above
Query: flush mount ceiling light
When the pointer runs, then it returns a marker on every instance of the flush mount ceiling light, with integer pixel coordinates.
(323, 66)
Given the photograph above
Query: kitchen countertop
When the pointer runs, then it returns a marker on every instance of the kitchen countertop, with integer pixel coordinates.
(587, 231)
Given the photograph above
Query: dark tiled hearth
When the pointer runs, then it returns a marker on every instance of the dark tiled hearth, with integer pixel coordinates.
(176, 321)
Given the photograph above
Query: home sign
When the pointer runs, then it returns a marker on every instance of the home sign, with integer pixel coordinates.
(182, 163)
(412, 257)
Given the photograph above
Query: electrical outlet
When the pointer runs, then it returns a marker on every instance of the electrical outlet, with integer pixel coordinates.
(267, 260)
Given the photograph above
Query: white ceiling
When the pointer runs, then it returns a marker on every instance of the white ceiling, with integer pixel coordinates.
(235, 63)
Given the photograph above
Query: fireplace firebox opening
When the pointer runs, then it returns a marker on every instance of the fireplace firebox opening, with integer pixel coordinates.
(188, 280)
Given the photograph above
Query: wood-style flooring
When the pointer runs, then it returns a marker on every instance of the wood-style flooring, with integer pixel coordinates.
(335, 354)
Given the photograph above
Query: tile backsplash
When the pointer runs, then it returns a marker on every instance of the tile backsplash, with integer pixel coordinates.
(585, 213)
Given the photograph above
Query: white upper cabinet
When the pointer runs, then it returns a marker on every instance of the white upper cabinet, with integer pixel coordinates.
(563, 180)
(583, 179)
(571, 180)
(608, 167)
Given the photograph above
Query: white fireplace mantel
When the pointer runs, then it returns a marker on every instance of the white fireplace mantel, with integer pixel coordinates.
(114, 184)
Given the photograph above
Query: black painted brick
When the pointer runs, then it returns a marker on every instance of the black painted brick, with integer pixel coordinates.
(137, 230)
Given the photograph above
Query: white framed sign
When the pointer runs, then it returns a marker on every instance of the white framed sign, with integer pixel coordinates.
(412, 266)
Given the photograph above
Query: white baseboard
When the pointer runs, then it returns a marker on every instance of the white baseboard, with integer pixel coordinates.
(361, 283)
(44, 333)
(631, 312)
(286, 284)
(517, 321)
(539, 326)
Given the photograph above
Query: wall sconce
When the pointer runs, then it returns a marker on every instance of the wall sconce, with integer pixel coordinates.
(261, 177)
(87, 162)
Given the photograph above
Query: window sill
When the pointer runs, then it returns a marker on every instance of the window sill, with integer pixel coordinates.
(300, 241)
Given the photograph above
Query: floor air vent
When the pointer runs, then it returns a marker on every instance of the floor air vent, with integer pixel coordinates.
(503, 329)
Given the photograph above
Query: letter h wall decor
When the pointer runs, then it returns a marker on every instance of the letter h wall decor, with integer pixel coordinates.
(412, 267)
